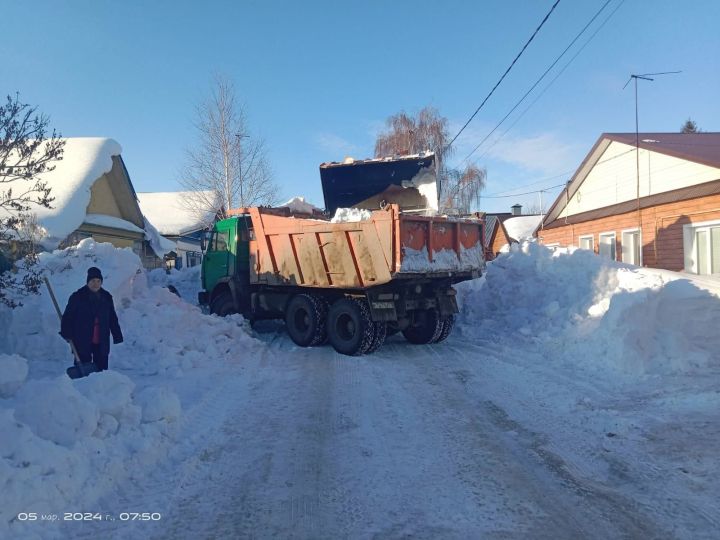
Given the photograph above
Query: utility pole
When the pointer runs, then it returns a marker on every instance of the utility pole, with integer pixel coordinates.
(645, 77)
(239, 138)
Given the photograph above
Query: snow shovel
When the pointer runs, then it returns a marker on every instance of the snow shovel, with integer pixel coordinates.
(80, 369)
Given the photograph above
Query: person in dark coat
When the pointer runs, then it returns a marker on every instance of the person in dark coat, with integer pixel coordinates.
(89, 319)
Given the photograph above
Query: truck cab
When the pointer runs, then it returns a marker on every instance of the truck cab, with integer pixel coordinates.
(225, 271)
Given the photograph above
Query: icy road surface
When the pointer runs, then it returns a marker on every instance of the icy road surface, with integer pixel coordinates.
(446, 441)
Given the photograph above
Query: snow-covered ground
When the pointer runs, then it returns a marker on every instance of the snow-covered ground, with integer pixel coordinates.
(577, 398)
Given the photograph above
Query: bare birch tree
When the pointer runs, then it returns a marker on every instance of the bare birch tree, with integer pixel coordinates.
(227, 165)
(25, 154)
(407, 135)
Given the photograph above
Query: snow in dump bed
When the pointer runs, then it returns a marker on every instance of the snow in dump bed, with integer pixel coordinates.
(300, 205)
(84, 161)
(66, 443)
(348, 215)
(596, 314)
(414, 260)
(522, 227)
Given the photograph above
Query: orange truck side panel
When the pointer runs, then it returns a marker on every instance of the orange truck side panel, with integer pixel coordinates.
(354, 255)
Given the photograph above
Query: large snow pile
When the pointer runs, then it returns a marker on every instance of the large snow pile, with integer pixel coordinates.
(65, 443)
(186, 281)
(635, 321)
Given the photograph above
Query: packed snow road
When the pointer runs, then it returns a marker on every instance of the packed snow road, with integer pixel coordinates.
(576, 398)
(409, 442)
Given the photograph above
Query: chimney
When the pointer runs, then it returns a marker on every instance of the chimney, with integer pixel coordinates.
(516, 209)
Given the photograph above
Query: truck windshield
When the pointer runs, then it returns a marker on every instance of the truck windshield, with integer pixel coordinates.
(220, 241)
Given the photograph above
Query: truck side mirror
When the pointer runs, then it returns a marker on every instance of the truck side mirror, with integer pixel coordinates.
(203, 241)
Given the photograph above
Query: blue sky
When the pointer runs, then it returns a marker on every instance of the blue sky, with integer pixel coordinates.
(318, 79)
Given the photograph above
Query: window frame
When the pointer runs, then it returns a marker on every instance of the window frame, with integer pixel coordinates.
(585, 237)
(614, 243)
(640, 250)
(690, 246)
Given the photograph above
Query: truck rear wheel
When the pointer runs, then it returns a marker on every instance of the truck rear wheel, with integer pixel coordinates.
(379, 336)
(350, 329)
(447, 326)
(426, 328)
(305, 320)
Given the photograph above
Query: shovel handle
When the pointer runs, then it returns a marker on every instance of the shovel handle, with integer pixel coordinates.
(59, 314)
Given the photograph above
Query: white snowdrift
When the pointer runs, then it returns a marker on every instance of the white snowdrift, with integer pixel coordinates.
(595, 313)
(66, 443)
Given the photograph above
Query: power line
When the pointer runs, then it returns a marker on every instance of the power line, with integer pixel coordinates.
(592, 19)
(504, 74)
(542, 93)
(521, 194)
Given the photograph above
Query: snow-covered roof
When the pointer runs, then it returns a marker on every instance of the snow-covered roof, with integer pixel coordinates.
(521, 227)
(176, 213)
(113, 222)
(300, 205)
(85, 159)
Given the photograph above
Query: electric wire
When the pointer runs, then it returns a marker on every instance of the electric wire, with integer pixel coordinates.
(519, 102)
(547, 87)
(547, 16)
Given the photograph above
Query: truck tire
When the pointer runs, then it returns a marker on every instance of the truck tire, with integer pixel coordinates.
(223, 305)
(426, 327)
(305, 319)
(379, 336)
(447, 326)
(350, 329)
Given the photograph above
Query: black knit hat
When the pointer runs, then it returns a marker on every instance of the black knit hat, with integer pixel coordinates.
(94, 272)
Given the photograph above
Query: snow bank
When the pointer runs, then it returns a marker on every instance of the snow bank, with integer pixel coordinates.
(58, 433)
(593, 313)
(186, 281)
(13, 370)
(348, 215)
(522, 227)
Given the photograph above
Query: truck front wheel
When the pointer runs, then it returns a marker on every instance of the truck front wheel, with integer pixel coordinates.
(351, 331)
(305, 320)
(426, 327)
(223, 305)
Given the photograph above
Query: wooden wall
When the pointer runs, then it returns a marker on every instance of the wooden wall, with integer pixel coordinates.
(662, 230)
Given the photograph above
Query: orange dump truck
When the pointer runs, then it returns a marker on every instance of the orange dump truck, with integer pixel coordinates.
(350, 283)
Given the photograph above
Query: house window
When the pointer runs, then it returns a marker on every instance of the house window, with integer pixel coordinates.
(606, 246)
(586, 242)
(632, 247)
(193, 258)
(702, 243)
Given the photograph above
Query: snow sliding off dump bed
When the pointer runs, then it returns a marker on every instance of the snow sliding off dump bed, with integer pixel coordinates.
(349, 283)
